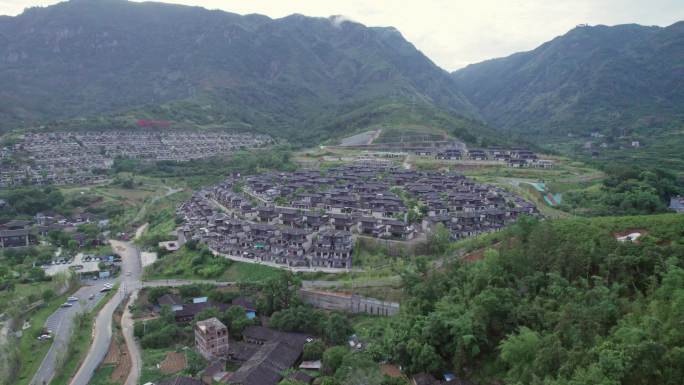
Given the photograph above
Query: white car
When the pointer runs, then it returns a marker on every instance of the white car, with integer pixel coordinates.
(67, 304)
(72, 299)
(109, 285)
(128, 273)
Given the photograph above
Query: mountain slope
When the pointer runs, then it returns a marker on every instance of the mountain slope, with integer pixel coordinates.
(89, 57)
(592, 78)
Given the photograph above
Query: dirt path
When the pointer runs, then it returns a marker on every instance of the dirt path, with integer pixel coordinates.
(133, 349)
(143, 209)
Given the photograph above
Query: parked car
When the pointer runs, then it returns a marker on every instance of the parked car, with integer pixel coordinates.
(72, 299)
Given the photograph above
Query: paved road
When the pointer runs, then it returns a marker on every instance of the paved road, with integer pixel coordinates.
(387, 281)
(103, 323)
(61, 323)
(183, 282)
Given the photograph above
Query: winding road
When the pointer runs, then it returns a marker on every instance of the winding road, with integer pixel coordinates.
(102, 329)
(61, 322)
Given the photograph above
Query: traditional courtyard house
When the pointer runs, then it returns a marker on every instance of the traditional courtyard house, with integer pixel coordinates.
(370, 226)
(266, 355)
(314, 220)
(294, 237)
(399, 229)
(289, 217)
(333, 249)
(341, 222)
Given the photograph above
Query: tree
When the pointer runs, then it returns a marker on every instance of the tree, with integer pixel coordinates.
(519, 351)
(337, 329)
(72, 245)
(48, 294)
(36, 274)
(440, 239)
(332, 358)
(280, 292)
(222, 296)
(154, 293)
(190, 291)
(206, 314)
(235, 318)
(358, 368)
(327, 380)
(313, 350)
(298, 318)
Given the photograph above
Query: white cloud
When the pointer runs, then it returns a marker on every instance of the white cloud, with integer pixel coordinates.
(455, 33)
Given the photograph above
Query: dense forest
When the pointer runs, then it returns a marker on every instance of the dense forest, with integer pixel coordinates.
(626, 191)
(551, 302)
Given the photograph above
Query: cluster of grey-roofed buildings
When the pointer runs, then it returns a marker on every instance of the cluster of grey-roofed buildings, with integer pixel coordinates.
(262, 354)
(24, 233)
(311, 217)
(515, 157)
(84, 157)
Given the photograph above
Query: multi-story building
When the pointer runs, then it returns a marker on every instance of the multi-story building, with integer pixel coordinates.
(211, 338)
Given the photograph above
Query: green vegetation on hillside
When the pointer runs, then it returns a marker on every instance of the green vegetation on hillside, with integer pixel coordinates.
(555, 302)
(28, 201)
(196, 262)
(625, 191)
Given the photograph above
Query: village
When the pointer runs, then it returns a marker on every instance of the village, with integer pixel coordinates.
(310, 218)
(62, 158)
(440, 147)
(27, 232)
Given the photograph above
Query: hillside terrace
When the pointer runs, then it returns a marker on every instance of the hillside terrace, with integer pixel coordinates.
(309, 218)
(83, 157)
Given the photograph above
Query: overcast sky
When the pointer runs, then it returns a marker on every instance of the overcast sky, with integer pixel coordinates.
(454, 33)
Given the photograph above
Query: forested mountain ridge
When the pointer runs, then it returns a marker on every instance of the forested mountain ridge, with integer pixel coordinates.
(601, 78)
(86, 57)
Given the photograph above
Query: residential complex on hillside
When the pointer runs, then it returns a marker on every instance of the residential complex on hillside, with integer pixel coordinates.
(84, 157)
(310, 218)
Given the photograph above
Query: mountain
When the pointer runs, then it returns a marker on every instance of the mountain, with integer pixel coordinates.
(610, 79)
(296, 76)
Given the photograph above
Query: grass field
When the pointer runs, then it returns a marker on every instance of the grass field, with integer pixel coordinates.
(149, 371)
(151, 357)
(248, 272)
(179, 265)
(24, 293)
(102, 375)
